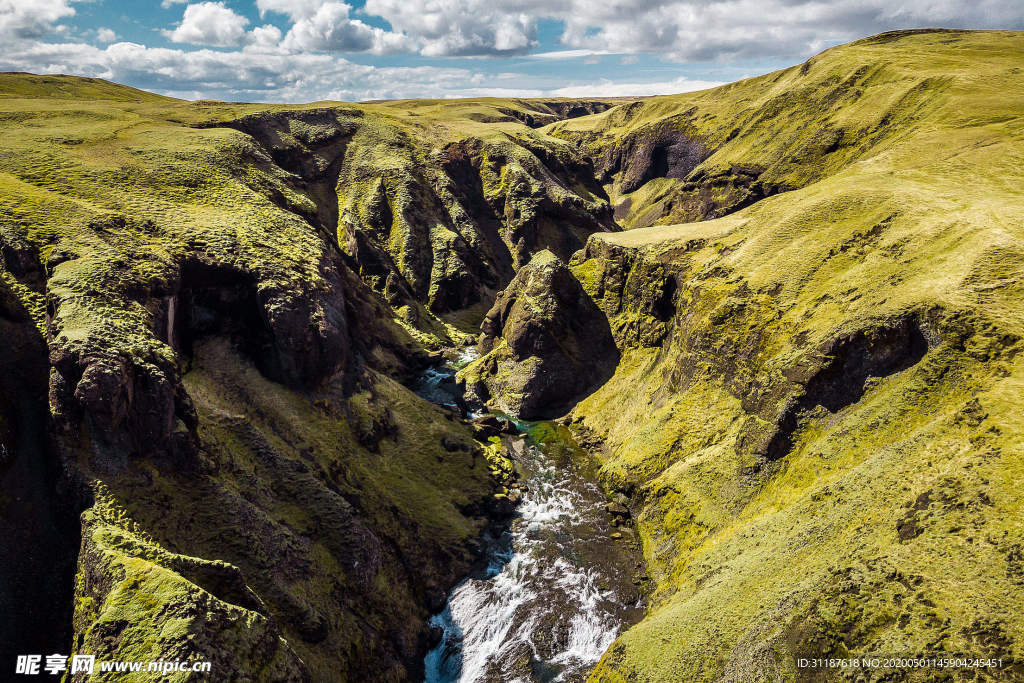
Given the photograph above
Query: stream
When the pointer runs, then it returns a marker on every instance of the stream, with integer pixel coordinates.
(557, 586)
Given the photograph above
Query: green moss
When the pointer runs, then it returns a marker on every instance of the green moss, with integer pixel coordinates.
(849, 542)
(888, 524)
(245, 552)
(502, 467)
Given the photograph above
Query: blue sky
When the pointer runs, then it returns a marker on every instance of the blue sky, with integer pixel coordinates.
(305, 50)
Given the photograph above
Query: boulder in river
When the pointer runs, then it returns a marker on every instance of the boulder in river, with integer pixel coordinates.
(492, 425)
(617, 509)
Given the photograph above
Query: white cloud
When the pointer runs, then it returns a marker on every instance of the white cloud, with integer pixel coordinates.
(258, 73)
(608, 88)
(329, 28)
(463, 27)
(32, 19)
(266, 36)
(296, 9)
(210, 23)
(683, 30)
(567, 54)
(105, 35)
(679, 30)
(300, 63)
(169, 3)
(254, 73)
(701, 30)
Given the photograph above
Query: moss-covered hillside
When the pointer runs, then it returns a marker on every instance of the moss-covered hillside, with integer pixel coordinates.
(210, 311)
(443, 203)
(438, 203)
(701, 155)
(818, 409)
(207, 448)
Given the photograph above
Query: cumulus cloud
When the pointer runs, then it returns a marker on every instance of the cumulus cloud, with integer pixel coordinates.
(210, 23)
(676, 30)
(296, 9)
(215, 24)
(702, 30)
(253, 73)
(463, 27)
(681, 30)
(329, 28)
(265, 36)
(34, 19)
(300, 60)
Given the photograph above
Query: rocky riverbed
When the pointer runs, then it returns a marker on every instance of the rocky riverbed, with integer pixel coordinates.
(558, 584)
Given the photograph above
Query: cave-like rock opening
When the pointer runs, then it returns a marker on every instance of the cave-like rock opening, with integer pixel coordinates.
(878, 351)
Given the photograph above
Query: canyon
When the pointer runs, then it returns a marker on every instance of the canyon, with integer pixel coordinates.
(779, 320)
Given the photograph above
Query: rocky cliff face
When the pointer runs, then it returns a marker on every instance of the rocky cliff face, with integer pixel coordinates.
(204, 429)
(446, 223)
(814, 412)
(38, 524)
(544, 344)
(754, 437)
(224, 434)
(435, 210)
(810, 402)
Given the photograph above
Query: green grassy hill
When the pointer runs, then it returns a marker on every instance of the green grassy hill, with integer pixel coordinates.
(699, 155)
(818, 410)
(31, 86)
(210, 309)
(207, 381)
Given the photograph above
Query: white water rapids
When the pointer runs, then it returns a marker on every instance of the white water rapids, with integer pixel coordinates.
(556, 589)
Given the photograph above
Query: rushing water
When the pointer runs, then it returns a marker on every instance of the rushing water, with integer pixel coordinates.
(556, 588)
(437, 382)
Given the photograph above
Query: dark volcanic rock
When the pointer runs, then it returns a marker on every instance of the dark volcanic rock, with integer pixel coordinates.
(299, 338)
(546, 343)
(657, 151)
(447, 228)
(37, 524)
(490, 425)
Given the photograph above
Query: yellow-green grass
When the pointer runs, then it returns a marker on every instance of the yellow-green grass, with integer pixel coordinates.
(891, 526)
(843, 106)
(78, 150)
(915, 209)
(114, 189)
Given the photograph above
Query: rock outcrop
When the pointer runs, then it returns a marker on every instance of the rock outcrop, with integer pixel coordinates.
(810, 408)
(445, 226)
(37, 522)
(544, 344)
(202, 425)
(815, 417)
(433, 218)
(663, 150)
